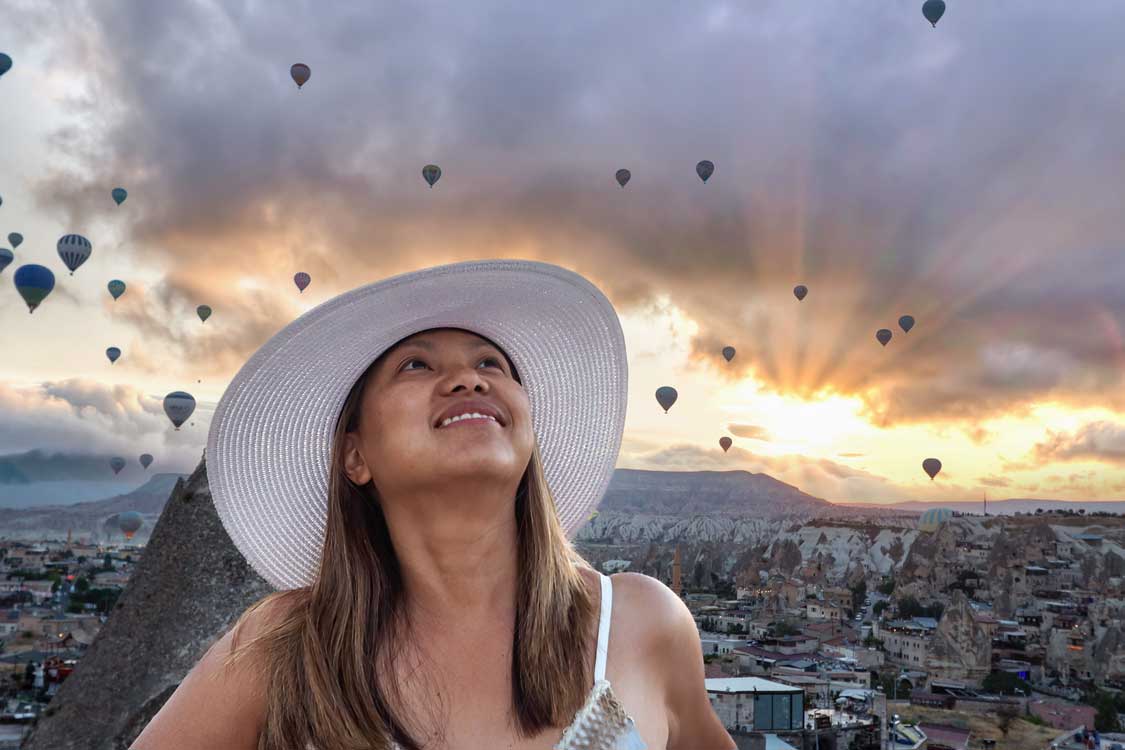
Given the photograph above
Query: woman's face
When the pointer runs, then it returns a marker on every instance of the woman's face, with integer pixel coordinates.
(400, 442)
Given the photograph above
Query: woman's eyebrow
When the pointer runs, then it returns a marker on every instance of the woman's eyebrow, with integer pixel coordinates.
(428, 346)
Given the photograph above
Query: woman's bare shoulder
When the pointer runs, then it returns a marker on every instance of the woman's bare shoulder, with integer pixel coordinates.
(217, 704)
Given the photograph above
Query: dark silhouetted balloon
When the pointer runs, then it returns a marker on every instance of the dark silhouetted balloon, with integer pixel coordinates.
(800, 291)
(113, 353)
(431, 173)
(179, 405)
(119, 195)
(6, 257)
(117, 463)
(300, 73)
(623, 176)
(725, 442)
(16, 239)
(666, 396)
(5, 63)
(74, 249)
(34, 283)
(906, 322)
(301, 279)
(146, 459)
(116, 288)
(130, 522)
(204, 312)
(931, 466)
(883, 335)
(704, 169)
(728, 353)
(933, 10)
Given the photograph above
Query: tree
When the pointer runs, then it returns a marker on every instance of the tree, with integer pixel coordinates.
(887, 587)
(879, 607)
(1005, 715)
(1005, 683)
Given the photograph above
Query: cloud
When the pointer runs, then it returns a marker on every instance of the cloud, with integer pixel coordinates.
(995, 481)
(752, 431)
(1097, 441)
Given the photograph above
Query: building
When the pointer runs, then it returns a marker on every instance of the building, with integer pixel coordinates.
(751, 704)
(906, 642)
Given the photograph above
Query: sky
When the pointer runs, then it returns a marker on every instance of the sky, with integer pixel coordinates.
(969, 175)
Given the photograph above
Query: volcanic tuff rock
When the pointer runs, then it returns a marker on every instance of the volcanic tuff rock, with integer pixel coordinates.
(187, 590)
(961, 648)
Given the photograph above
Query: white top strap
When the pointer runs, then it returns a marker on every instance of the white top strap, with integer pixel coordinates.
(603, 627)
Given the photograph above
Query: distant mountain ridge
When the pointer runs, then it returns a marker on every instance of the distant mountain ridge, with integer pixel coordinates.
(1010, 506)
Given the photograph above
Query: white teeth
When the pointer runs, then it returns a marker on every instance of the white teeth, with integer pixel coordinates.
(459, 417)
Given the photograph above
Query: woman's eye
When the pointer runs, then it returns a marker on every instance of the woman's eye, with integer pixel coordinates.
(407, 363)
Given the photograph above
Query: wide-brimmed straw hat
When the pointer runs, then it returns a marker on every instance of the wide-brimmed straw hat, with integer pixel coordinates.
(270, 439)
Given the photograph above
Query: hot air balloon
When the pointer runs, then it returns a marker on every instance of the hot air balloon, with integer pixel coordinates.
(113, 353)
(130, 522)
(204, 312)
(933, 518)
(112, 524)
(6, 257)
(116, 288)
(74, 249)
(906, 322)
(119, 195)
(704, 169)
(300, 73)
(117, 463)
(146, 459)
(16, 239)
(431, 173)
(666, 396)
(933, 10)
(931, 466)
(179, 405)
(34, 283)
(725, 442)
(728, 353)
(883, 335)
(623, 176)
(301, 279)
(5, 63)
(800, 291)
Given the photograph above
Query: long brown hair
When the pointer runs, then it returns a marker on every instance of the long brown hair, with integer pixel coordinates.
(328, 656)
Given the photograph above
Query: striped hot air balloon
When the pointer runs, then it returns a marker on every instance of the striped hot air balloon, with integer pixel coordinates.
(933, 518)
(74, 249)
(179, 405)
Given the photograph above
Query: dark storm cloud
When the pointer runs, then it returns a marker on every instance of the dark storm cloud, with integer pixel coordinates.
(959, 174)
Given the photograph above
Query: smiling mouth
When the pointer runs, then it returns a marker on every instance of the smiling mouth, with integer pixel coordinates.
(471, 420)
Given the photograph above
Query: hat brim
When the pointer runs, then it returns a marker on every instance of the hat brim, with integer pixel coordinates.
(270, 439)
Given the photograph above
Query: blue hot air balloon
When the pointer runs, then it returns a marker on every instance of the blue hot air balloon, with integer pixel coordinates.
(119, 195)
(883, 335)
(117, 463)
(6, 257)
(934, 518)
(704, 169)
(116, 288)
(5, 63)
(34, 283)
(933, 10)
(623, 176)
(666, 396)
(906, 322)
(146, 459)
(16, 239)
(74, 249)
(179, 405)
(728, 353)
(431, 173)
(800, 291)
(113, 353)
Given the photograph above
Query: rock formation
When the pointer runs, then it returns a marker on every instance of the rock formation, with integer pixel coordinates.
(961, 648)
(187, 590)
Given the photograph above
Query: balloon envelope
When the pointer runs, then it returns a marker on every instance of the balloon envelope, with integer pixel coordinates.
(204, 312)
(431, 173)
(800, 291)
(119, 195)
(704, 169)
(906, 322)
(933, 518)
(113, 353)
(15, 238)
(130, 522)
(116, 288)
(179, 405)
(5, 63)
(74, 249)
(666, 396)
(623, 176)
(883, 335)
(117, 463)
(34, 283)
(146, 459)
(301, 279)
(6, 257)
(300, 73)
(725, 442)
(933, 10)
(931, 466)
(728, 353)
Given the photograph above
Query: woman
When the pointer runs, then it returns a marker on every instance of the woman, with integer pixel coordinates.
(407, 463)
